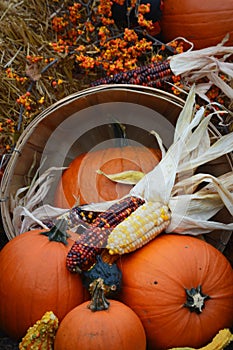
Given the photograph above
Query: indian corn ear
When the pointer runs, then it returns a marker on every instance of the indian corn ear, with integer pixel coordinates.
(118, 212)
(41, 335)
(143, 225)
(82, 255)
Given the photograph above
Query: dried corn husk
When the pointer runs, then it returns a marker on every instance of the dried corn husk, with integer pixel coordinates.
(191, 147)
(129, 177)
(28, 209)
(208, 62)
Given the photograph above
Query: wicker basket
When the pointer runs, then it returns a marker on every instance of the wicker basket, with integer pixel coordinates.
(80, 122)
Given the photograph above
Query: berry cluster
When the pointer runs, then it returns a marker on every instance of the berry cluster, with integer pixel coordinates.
(7, 130)
(90, 35)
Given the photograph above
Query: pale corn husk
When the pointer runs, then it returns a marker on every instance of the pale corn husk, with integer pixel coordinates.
(28, 209)
(128, 177)
(160, 143)
(24, 219)
(208, 62)
(190, 149)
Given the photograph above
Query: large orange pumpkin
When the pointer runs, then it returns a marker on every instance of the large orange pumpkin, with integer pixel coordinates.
(205, 23)
(81, 180)
(181, 288)
(33, 280)
(101, 325)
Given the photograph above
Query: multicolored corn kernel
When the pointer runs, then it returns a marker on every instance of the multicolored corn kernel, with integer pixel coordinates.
(82, 254)
(118, 212)
(143, 225)
(85, 215)
(153, 74)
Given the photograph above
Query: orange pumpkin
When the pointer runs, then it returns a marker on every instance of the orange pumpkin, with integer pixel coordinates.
(100, 325)
(182, 290)
(81, 180)
(34, 279)
(205, 23)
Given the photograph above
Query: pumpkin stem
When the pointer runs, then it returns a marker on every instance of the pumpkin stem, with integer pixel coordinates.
(98, 300)
(58, 233)
(119, 131)
(195, 299)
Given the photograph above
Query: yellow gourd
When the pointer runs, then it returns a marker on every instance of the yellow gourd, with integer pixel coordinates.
(219, 342)
(41, 335)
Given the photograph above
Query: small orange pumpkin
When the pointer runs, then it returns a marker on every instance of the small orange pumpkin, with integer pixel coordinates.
(100, 325)
(205, 23)
(34, 279)
(181, 288)
(81, 180)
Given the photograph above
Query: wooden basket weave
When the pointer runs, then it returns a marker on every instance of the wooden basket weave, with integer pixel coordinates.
(80, 121)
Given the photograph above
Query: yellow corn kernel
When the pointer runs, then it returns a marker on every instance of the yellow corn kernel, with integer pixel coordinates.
(143, 225)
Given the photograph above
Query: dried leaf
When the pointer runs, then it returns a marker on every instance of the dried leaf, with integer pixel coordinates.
(32, 71)
(129, 177)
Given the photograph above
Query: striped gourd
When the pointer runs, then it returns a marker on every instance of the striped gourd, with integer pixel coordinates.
(143, 225)
(82, 255)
